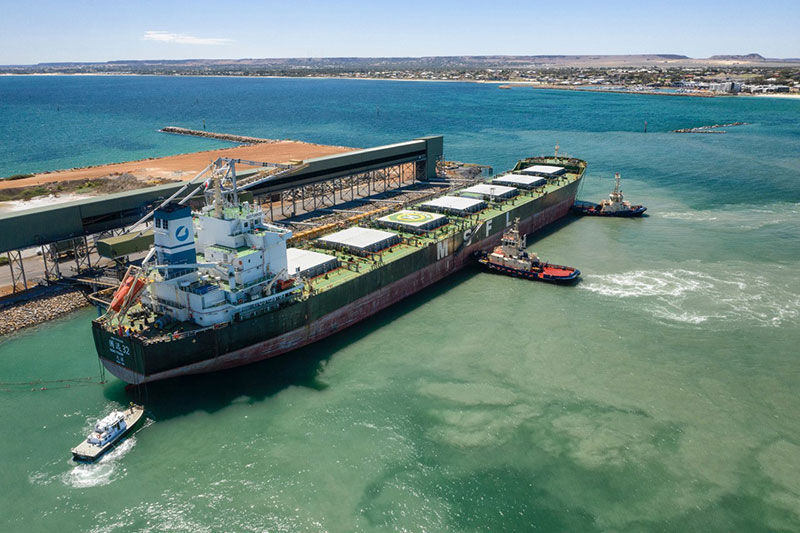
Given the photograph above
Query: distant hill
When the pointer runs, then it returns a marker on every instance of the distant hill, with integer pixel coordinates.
(747, 57)
(325, 65)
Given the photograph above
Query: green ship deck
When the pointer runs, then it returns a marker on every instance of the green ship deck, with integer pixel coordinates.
(139, 321)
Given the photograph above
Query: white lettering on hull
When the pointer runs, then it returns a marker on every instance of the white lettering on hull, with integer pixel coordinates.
(119, 349)
(442, 249)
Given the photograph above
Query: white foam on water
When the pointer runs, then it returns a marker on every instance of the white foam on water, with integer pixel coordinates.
(691, 297)
(741, 217)
(646, 283)
(103, 472)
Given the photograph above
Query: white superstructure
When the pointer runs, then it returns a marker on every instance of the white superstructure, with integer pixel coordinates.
(217, 265)
(616, 202)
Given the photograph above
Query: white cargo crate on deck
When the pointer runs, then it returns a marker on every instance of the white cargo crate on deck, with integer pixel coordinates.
(542, 170)
(520, 181)
(454, 205)
(493, 192)
(308, 264)
(359, 240)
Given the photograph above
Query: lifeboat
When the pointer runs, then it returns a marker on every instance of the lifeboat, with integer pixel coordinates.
(132, 282)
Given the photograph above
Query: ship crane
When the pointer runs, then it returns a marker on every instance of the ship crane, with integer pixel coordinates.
(222, 169)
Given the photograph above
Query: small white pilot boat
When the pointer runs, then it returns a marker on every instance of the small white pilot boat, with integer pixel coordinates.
(107, 432)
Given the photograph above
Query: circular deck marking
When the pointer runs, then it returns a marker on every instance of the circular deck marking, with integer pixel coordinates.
(411, 217)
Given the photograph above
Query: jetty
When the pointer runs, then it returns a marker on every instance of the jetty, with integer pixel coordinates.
(221, 136)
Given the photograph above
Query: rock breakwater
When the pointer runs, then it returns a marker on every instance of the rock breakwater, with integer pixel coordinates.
(220, 136)
(23, 314)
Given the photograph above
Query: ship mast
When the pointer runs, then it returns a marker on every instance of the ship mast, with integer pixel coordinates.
(616, 196)
(217, 195)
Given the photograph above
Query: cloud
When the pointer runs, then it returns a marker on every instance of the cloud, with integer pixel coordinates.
(181, 38)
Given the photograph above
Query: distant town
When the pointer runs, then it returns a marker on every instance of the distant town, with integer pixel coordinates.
(664, 73)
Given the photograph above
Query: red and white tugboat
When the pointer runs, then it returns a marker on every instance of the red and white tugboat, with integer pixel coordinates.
(511, 258)
(615, 206)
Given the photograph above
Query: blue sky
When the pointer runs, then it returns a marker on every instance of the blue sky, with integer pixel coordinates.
(49, 30)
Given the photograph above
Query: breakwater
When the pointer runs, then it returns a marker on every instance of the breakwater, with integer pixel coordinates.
(714, 128)
(221, 136)
(24, 313)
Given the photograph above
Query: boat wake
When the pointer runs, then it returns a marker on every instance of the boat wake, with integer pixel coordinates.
(751, 217)
(690, 297)
(107, 469)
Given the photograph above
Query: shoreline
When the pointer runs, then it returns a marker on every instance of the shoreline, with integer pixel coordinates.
(518, 83)
(40, 306)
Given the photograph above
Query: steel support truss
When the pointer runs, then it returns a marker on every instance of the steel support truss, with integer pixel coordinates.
(307, 198)
(18, 280)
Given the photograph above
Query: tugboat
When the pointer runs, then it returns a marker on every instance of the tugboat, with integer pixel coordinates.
(615, 206)
(107, 432)
(512, 259)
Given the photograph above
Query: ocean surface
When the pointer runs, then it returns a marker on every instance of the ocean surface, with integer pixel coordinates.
(660, 393)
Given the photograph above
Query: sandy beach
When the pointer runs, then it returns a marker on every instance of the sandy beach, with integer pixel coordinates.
(790, 96)
(184, 166)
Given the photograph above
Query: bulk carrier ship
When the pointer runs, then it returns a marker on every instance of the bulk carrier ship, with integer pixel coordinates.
(221, 288)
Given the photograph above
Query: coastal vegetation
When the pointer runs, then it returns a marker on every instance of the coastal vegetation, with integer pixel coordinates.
(25, 193)
(18, 177)
(109, 184)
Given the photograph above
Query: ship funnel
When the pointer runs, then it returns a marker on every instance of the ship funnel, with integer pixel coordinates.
(174, 238)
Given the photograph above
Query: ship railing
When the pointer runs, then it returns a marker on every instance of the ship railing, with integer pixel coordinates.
(183, 334)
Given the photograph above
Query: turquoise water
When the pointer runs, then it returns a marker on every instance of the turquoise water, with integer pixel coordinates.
(658, 394)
